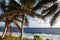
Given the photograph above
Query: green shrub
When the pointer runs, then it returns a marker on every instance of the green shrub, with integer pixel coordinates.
(36, 37)
(47, 39)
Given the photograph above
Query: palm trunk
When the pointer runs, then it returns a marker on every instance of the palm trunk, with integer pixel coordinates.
(10, 31)
(22, 29)
(22, 32)
(4, 33)
(5, 29)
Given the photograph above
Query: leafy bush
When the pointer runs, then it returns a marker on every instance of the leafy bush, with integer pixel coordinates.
(36, 37)
(47, 39)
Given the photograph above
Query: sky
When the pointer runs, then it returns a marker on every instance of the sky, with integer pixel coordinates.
(39, 23)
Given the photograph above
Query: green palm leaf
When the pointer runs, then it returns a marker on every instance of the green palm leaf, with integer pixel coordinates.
(28, 3)
(42, 2)
(17, 26)
(14, 4)
(54, 18)
(33, 14)
(50, 11)
(54, 6)
(26, 21)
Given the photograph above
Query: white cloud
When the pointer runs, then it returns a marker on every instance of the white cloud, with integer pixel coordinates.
(57, 23)
(35, 22)
(38, 23)
(58, 0)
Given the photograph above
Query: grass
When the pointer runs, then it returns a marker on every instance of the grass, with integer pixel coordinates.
(36, 37)
(15, 38)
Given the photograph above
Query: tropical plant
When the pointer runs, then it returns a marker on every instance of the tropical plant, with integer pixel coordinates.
(36, 37)
(8, 17)
(28, 9)
(42, 3)
(47, 39)
(52, 11)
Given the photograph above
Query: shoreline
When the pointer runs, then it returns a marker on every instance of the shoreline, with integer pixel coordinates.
(17, 34)
(31, 36)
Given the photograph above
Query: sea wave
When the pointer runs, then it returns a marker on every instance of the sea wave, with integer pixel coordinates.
(31, 36)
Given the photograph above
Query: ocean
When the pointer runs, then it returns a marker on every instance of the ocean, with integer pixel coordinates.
(51, 33)
(36, 30)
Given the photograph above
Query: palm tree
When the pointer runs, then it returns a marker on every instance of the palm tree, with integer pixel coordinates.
(28, 9)
(7, 19)
(7, 16)
(52, 11)
(10, 20)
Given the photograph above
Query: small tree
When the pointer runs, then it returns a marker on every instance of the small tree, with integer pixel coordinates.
(36, 37)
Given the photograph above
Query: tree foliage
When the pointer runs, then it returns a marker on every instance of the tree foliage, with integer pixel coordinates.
(36, 37)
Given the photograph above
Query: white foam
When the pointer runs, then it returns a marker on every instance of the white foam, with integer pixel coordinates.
(31, 36)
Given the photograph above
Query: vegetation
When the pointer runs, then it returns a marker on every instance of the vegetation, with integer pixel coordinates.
(16, 38)
(53, 11)
(47, 39)
(36, 37)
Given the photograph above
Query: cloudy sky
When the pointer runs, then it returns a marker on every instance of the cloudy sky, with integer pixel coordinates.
(36, 22)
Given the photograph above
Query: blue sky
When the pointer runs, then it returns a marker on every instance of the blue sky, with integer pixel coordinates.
(36, 22)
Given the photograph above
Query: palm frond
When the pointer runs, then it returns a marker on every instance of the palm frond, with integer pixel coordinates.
(17, 26)
(13, 13)
(42, 2)
(13, 5)
(34, 14)
(29, 14)
(54, 6)
(26, 2)
(52, 22)
(26, 21)
(2, 5)
(51, 11)
(2, 16)
(17, 19)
